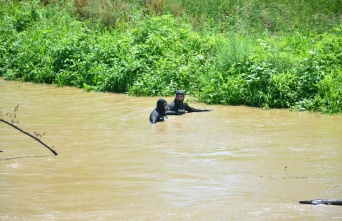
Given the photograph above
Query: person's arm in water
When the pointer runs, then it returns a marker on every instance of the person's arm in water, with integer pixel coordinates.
(193, 109)
(179, 110)
(179, 107)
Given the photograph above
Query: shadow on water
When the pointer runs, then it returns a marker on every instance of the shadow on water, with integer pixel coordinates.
(26, 156)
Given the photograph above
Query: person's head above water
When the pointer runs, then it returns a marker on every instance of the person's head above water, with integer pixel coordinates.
(162, 104)
(180, 95)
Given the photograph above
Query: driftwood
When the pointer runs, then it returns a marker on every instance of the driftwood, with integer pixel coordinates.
(28, 134)
(337, 202)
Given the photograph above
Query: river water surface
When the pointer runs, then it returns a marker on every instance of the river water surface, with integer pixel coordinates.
(235, 163)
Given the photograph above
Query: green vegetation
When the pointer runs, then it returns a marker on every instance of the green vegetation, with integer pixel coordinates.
(269, 54)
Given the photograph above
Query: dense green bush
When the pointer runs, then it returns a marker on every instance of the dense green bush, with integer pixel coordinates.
(279, 75)
(235, 59)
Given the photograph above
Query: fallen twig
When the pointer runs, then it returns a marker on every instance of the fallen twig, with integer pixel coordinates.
(28, 134)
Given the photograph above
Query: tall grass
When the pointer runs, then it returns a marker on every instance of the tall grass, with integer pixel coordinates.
(250, 17)
(256, 16)
(256, 53)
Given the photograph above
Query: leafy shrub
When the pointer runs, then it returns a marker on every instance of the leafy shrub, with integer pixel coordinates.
(148, 55)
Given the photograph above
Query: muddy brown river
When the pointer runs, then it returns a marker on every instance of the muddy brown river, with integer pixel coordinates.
(235, 163)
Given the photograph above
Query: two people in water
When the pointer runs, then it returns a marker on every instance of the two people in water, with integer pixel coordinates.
(176, 107)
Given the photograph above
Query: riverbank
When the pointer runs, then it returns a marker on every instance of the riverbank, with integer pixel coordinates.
(158, 54)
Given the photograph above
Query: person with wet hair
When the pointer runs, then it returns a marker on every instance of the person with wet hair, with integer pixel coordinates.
(179, 107)
(158, 114)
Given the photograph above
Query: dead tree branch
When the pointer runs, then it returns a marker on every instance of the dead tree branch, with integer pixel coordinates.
(28, 134)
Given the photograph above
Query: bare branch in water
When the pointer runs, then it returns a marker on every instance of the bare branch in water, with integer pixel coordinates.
(28, 134)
